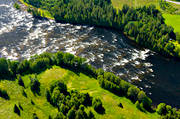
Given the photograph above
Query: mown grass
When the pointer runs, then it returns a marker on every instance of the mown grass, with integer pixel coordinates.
(74, 81)
(173, 20)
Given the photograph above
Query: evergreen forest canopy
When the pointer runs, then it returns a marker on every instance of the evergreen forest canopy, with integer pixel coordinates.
(145, 25)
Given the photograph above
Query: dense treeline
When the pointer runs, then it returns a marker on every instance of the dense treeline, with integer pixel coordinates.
(114, 84)
(107, 80)
(145, 25)
(71, 104)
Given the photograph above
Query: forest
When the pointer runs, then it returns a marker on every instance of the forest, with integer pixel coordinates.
(145, 25)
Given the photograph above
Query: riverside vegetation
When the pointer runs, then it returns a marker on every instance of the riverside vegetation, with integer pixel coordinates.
(145, 25)
(46, 89)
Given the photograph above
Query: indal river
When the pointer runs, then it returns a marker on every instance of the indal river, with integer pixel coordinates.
(22, 36)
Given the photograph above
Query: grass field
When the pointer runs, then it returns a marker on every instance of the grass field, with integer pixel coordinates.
(75, 81)
(173, 20)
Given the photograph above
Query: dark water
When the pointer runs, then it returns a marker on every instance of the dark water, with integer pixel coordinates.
(22, 36)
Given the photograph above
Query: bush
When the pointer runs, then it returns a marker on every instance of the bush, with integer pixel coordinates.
(71, 114)
(13, 66)
(97, 104)
(39, 65)
(139, 106)
(23, 67)
(35, 86)
(132, 93)
(124, 86)
(36, 13)
(147, 103)
(24, 94)
(60, 115)
(4, 71)
(48, 96)
(20, 81)
(120, 105)
(60, 86)
(90, 115)
(16, 109)
(141, 96)
(161, 109)
(81, 114)
(16, 5)
(4, 94)
(35, 116)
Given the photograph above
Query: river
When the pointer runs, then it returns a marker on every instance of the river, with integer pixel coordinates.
(22, 36)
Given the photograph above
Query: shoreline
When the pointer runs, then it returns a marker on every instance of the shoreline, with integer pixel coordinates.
(168, 56)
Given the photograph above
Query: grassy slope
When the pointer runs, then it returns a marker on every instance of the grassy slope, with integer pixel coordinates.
(79, 82)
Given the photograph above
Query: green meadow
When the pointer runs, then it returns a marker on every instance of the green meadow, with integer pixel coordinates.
(74, 81)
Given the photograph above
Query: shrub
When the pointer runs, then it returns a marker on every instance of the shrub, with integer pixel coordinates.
(20, 81)
(90, 115)
(4, 71)
(16, 5)
(60, 85)
(39, 65)
(20, 106)
(81, 114)
(23, 67)
(124, 86)
(97, 104)
(60, 115)
(132, 93)
(24, 93)
(48, 96)
(71, 114)
(141, 96)
(147, 103)
(16, 109)
(4, 94)
(13, 66)
(139, 106)
(168, 108)
(120, 105)
(35, 116)
(32, 102)
(36, 13)
(35, 86)
(161, 109)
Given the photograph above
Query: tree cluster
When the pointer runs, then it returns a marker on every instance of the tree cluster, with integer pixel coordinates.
(70, 104)
(114, 84)
(38, 63)
(167, 111)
